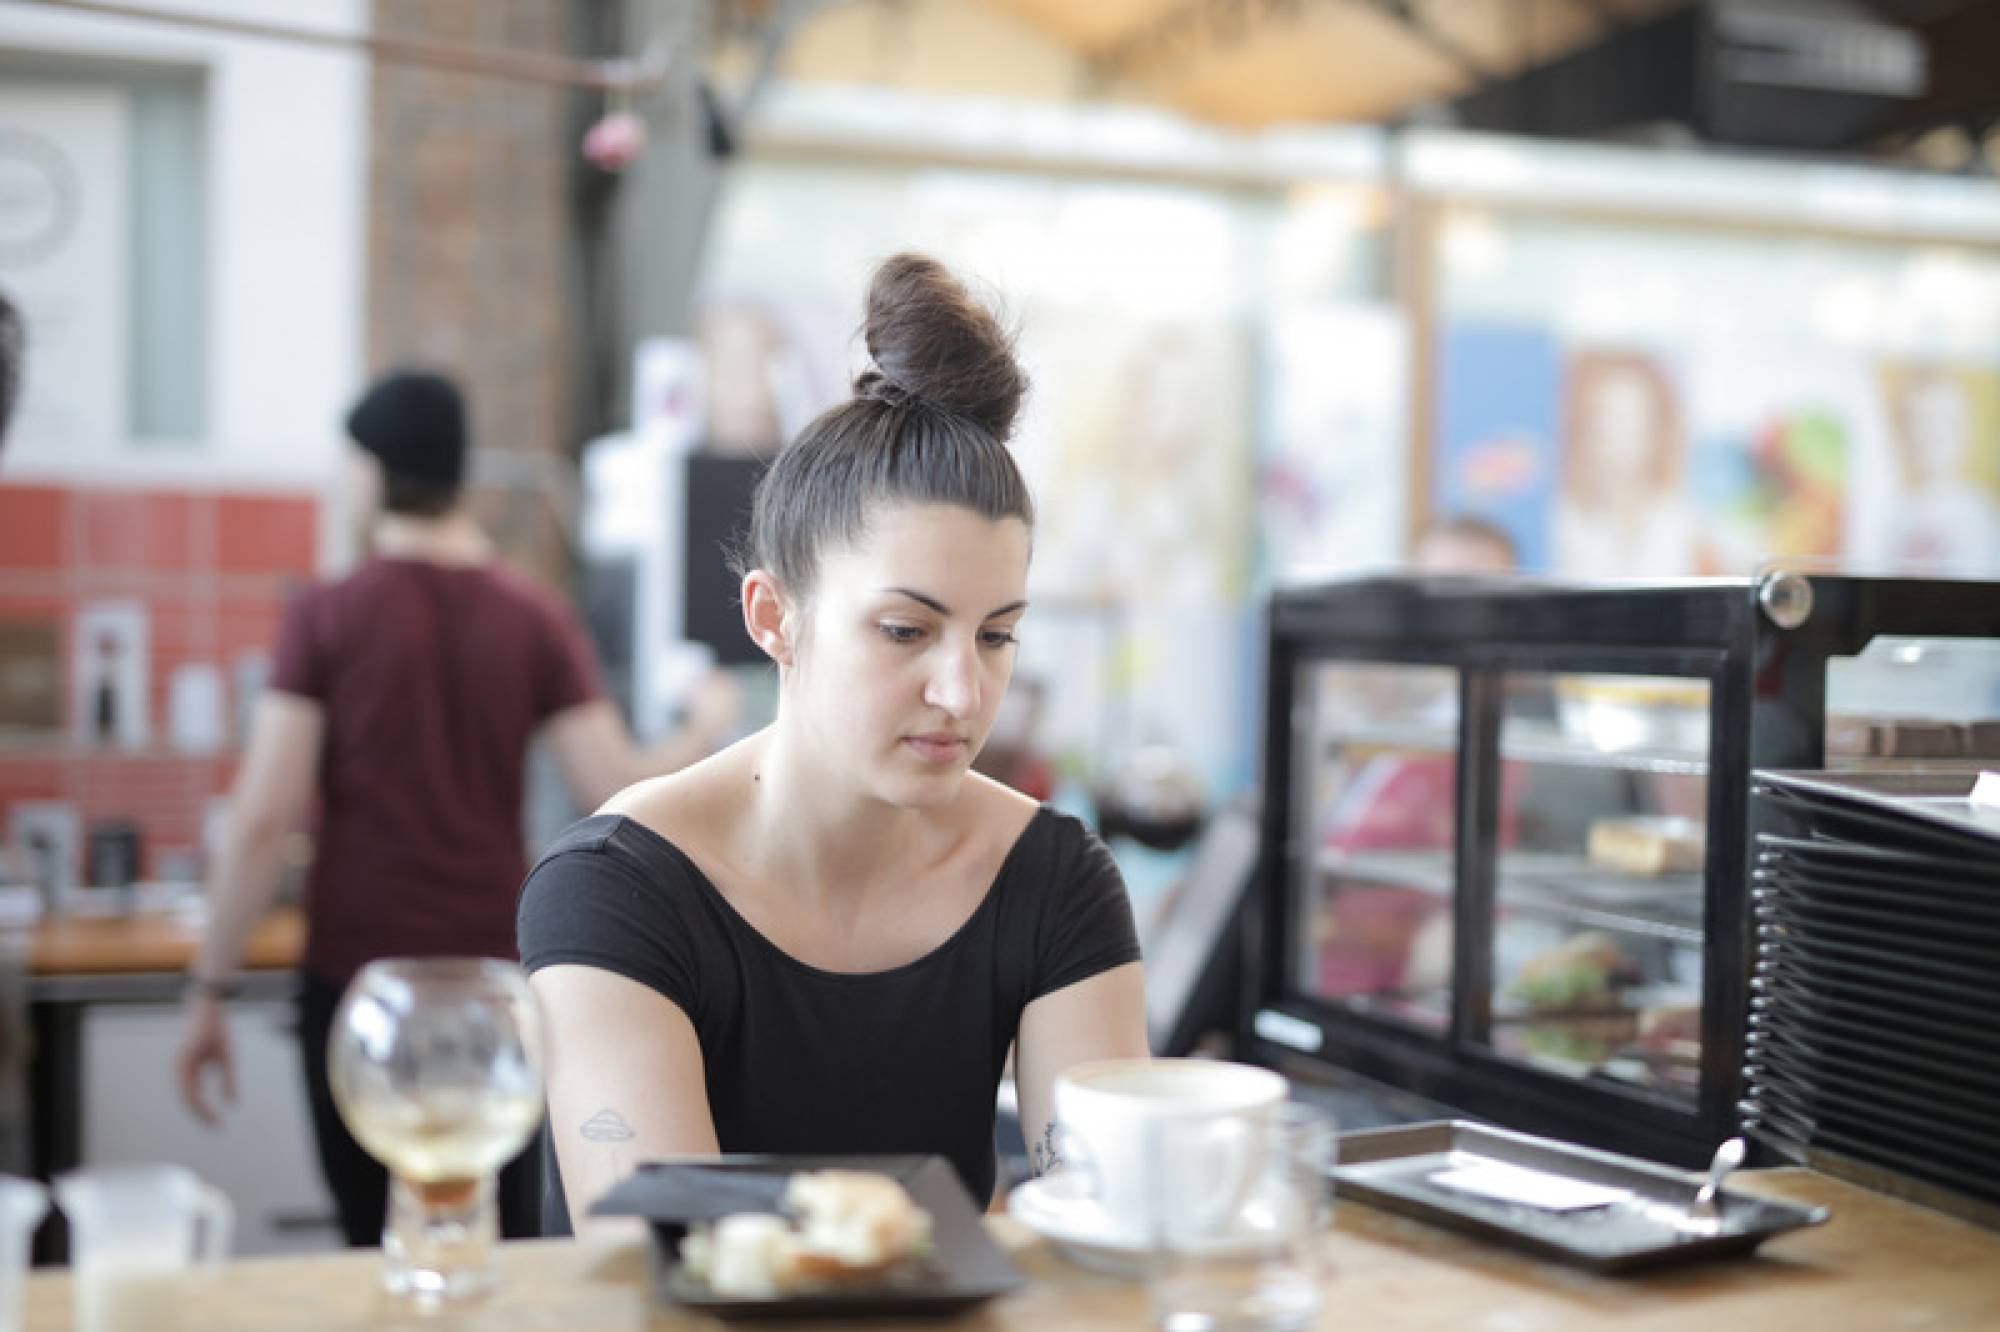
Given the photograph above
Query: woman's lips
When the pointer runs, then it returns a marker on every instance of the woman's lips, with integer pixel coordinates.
(938, 748)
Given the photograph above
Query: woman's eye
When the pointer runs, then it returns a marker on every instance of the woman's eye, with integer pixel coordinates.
(901, 633)
(999, 638)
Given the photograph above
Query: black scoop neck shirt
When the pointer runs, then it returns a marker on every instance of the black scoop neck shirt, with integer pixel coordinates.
(798, 1059)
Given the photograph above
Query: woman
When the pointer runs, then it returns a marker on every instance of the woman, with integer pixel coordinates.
(827, 937)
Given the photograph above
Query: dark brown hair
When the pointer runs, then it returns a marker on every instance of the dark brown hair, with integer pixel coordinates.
(13, 343)
(927, 424)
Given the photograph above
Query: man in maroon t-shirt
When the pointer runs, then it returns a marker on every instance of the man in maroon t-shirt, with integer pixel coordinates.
(403, 701)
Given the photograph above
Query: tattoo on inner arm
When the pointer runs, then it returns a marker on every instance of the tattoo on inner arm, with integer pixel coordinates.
(607, 1126)
(1044, 1155)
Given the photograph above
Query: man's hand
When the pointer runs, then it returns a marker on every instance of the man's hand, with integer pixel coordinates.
(205, 1045)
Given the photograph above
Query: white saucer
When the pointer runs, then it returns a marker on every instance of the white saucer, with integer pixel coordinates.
(1057, 1208)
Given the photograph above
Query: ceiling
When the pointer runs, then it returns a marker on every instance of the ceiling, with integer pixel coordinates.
(1259, 62)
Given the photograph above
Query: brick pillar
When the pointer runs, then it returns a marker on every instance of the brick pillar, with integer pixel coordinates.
(469, 193)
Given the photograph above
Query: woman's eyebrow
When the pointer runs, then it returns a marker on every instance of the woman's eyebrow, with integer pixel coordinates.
(934, 604)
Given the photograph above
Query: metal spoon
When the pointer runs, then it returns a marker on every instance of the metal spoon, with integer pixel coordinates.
(1728, 1156)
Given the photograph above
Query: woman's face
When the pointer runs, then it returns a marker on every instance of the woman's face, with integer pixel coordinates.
(908, 648)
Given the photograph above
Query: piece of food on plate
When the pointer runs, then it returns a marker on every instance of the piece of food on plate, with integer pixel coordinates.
(846, 1228)
(854, 1223)
(1648, 845)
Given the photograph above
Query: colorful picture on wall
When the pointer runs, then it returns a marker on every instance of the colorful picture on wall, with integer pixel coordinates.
(1775, 438)
(1621, 499)
(1497, 419)
(1942, 425)
(1331, 479)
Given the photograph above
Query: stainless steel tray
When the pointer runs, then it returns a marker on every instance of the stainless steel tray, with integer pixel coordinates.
(1393, 1169)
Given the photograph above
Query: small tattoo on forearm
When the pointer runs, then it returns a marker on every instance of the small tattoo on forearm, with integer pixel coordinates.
(607, 1125)
(1044, 1156)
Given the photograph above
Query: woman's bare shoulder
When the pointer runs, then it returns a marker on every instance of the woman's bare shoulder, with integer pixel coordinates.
(995, 810)
(689, 807)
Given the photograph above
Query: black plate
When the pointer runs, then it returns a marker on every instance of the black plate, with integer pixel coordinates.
(1874, 1121)
(1968, 984)
(1832, 1091)
(1895, 1061)
(1924, 997)
(1797, 1140)
(1961, 879)
(1782, 994)
(1888, 809)
(969, 1268)
(1878, 887)
(1908, 916)
(1966, 947)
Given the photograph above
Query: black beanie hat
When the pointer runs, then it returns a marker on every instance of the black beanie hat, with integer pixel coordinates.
(415, 424)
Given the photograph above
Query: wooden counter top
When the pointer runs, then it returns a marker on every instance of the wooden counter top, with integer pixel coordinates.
(119, 945)
(1878, 1264)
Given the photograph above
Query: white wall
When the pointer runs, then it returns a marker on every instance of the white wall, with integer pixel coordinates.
(287, 157)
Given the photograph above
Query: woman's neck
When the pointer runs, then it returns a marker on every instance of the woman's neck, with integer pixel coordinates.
(812, 833)
(450, 538)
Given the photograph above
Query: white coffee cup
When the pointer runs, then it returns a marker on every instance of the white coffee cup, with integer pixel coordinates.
(1106, 1116)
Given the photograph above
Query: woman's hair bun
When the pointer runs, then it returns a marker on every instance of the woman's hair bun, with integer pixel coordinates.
(932, 342)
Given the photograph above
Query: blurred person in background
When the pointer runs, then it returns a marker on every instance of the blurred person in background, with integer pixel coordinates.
(1463, 544)
(403, 701)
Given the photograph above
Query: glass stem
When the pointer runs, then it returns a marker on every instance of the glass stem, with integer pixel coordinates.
(439, 1239)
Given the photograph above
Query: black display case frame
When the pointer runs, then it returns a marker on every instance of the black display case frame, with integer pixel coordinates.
(1763, 647)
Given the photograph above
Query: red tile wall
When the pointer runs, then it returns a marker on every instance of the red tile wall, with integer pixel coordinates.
(212, 571)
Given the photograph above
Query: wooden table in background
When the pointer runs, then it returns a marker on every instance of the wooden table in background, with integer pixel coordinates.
(75, 962)
(64, 946)
(1878, 1264)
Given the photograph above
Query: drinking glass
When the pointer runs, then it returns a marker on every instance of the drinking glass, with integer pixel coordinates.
(1257, 1268)
(436, 1065)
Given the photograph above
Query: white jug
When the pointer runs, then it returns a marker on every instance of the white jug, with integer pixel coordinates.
(135, 1233)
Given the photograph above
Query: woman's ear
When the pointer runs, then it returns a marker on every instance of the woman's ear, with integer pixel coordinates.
(764, 615)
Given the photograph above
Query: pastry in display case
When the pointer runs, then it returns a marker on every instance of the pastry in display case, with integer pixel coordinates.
(1504, 830)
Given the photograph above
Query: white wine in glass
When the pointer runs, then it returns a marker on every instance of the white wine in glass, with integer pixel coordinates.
(436, 1065)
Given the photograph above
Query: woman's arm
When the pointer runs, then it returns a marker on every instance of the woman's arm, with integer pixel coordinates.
(625, 1082)
(1103, 1017)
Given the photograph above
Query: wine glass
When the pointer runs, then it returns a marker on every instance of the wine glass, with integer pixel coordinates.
(436, 1065)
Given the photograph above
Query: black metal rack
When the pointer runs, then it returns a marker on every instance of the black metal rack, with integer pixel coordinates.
(1761, 647)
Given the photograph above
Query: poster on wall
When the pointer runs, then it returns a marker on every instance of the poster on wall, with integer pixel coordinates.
(1143, 455)
(64, 222)
(1621, 508)
(1941, 427)
(110, 667)
(1780, 440)
(1496, 422)
(1332, 477)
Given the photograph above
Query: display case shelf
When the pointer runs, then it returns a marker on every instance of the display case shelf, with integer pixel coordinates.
(1560, 887)
(1538, 744)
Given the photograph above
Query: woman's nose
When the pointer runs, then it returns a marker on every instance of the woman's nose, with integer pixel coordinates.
(953, 687)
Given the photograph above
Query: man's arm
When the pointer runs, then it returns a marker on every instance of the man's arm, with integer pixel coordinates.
(598, 757)
(625, 1082)
(1103, 1017)
(269, 801)
(272, 794)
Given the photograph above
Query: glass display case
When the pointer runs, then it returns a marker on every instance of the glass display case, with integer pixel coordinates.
(1504, 841)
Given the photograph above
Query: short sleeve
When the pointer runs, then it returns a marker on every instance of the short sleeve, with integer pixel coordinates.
(591, 901)
(569, 674)
(298, 665)
(1086, 925)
